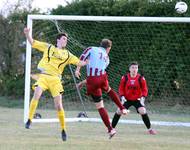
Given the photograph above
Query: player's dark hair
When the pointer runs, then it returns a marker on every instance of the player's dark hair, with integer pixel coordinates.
(133, 63)
(136, 63)
(59, 36)
(106, 43)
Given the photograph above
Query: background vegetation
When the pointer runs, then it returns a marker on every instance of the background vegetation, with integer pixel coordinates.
(12, 50)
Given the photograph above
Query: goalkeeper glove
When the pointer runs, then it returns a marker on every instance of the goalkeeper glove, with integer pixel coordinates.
(142, 100)
(123, 100)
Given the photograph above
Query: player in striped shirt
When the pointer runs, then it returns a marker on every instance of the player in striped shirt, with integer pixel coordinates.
(97, 80)
(51, 67)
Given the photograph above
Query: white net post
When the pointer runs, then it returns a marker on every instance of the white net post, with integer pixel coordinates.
(27, 73)
(44, 29)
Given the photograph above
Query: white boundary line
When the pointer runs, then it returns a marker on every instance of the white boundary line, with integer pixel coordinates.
(159, 123)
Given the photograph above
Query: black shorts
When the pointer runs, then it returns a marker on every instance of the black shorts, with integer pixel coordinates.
(136, 104)
(96, 99)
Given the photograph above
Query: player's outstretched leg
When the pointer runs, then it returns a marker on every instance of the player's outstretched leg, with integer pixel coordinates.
(116, 100)
(103, 114)
(115, 119)
(61, 116)
(147, 123)
(105, 118)
(33, 106)
(112, 133)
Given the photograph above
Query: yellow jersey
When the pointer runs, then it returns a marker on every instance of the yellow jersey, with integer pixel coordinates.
(54, 59)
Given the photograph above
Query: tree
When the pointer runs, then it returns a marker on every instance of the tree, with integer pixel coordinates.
(12, 50)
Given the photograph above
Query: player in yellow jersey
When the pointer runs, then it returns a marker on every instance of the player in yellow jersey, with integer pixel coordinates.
(51, 67)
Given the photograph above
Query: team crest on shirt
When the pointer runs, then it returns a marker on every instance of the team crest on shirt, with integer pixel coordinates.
(59, 54)
(132, 82)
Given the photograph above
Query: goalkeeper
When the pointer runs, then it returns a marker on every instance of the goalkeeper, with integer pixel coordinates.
(133, 91)
(51, 67)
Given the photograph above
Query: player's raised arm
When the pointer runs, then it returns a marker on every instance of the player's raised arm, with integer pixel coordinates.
(29, 38)
(83, 61)
(80, 64)
(77, 72)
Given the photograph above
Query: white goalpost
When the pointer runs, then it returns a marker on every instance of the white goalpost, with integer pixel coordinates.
(133, 40)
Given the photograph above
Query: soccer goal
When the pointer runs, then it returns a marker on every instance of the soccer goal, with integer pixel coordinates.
(161, 45)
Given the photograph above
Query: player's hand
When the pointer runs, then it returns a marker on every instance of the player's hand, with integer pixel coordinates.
(86, 62)
(77, 74)
(123, 100)
(122, 112)
(34, 76)
(26, 31)
(142, 100)
(80, 85)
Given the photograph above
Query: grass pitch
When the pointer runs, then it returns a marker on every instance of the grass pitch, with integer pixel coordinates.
(86, 136)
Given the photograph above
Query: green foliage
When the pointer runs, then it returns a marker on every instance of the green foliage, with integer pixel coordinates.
(147, 55)
(12, 86)
(166, 80)
(87, 7)
(119, 8)
(12, 52)
(21, 16)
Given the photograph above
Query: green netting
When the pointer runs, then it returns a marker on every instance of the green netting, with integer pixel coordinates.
(162, 50)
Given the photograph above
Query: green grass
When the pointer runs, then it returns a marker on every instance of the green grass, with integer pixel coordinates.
(86, 136)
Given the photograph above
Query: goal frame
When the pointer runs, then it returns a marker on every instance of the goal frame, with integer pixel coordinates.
(30, 19)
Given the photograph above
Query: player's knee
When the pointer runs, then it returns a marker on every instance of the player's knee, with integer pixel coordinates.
(142, 110)
(58, 106)
(37, 93)
(58, 102)
(109, 89)
(98, 100)
(99, 104)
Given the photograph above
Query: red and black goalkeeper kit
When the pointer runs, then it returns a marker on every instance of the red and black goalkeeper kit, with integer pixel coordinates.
(133, 88)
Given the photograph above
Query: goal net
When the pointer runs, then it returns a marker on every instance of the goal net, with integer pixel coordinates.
(160, 45)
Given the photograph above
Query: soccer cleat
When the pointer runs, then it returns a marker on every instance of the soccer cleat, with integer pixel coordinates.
(112, 133)
(64, 135)
(28, 123)
(152, 132)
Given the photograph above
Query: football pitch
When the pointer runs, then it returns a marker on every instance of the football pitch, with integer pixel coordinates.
(88, 135)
